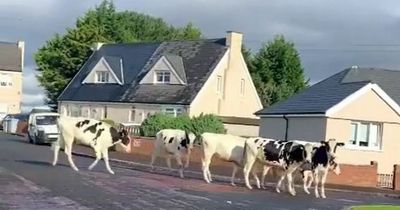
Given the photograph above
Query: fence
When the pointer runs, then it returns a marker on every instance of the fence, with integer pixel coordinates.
(385, 181)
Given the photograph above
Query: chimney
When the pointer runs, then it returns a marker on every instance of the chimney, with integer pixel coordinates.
(21, 47)
(97, 46)
(234, 41)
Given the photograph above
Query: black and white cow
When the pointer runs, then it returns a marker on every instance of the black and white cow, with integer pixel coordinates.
(173, 142)
(286, 155)
(96, 134)
(323, 160)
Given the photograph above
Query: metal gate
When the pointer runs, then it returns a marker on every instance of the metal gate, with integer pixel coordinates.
(385, 181)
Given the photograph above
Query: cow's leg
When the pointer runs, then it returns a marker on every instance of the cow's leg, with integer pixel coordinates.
(323, 180)
(234, 170)
(154, 156)
(56, 148)
(311, 179)
(246, 170)
(307, 174)
(257, 180)
(187, 158)
(180, 165)
(263, 175)
(106, 161)
(168, 161)
(279, 184)
(98, 157)
(316, 181)
(289, 175)
(68, 152)
(205, 163)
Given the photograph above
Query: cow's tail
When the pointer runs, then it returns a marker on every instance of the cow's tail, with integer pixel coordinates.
(244, 154)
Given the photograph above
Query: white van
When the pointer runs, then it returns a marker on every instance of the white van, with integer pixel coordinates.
(42, 127)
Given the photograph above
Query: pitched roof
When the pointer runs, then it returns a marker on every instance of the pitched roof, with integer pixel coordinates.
(177, 63)
(115, 65)
(10, 57)
(193, 60)
(318, 98)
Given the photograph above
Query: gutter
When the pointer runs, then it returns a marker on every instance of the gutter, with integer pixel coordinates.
(287, 127)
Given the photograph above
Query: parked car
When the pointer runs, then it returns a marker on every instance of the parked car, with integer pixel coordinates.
(42, 127)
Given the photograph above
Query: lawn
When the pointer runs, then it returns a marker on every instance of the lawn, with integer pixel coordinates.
(374, 207)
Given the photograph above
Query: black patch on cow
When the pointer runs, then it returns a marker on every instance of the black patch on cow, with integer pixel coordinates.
(184, 142)
(255, 141)
(92, 128)
(115, 135)
(165, 138)
(170, 140)
(82, 123)
(179, 147)
(321, 156)
(271, 152)
(98, 134)
(297, 154)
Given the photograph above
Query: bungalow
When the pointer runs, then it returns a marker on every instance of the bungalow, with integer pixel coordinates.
(359, 106)
(128, 82)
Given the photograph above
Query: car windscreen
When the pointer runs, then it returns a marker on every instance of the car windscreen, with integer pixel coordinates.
(46, 120)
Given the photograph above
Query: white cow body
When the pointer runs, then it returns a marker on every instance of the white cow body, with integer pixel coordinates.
(228, 148)
(96, 134)
(176, 143)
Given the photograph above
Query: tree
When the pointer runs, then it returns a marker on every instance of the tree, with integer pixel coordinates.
(277, 72)
(63, 55)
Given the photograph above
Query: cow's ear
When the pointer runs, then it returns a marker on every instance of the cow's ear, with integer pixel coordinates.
(340, 144)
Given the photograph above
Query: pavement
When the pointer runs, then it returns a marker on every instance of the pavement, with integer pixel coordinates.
(28, 181)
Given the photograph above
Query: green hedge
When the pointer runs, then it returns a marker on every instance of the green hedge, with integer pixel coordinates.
(197, 125)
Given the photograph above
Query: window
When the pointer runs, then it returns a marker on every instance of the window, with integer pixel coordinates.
(173, 111)
(163, 77)
(365, 135)
(219, 84)
(75, 111)
(132, 114)
(6, 80)
(102, 76)
(242, 87)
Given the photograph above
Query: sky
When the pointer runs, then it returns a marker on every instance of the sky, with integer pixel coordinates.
(330, 35)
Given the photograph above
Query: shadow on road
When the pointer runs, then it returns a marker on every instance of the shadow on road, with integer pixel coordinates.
(40, 163)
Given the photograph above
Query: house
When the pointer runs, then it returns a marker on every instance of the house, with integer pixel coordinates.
(129, 82)
(11, 66)
(359, 106)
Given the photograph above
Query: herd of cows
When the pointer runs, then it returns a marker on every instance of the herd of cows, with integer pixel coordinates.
(253, 155)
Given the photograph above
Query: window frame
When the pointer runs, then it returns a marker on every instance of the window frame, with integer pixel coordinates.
(356, 145)
(99, 76)
(242, 86)
(173, 111)
(219, 83)
(163, 76)
(132, 110)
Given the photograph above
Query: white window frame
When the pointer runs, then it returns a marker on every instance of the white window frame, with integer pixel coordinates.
(173, 111)
(101, 76)
(357, 146)
(242, 87)
(219, 84)
(163, 75)
(132, 110)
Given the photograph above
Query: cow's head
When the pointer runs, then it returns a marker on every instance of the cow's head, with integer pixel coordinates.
(122, 138)
(190, 137)
(331, 146)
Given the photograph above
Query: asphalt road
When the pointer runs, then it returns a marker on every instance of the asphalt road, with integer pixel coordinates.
(28, 181)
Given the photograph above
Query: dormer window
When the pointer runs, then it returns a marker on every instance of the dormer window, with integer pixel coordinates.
(163, 77)
(102, 76)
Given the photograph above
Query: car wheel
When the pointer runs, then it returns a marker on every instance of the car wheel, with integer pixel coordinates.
(30, 139)
(35, 140)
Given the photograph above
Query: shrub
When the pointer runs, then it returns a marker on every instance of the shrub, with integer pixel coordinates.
(198, 125)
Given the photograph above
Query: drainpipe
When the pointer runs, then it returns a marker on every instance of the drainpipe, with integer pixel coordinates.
(287, 127)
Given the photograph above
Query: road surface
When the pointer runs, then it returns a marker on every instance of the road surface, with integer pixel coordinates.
(28, 181)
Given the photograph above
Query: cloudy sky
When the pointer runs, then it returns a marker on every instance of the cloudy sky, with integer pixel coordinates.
(330, 34)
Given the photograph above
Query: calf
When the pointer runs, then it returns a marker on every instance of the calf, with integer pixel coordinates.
(228, 148)
(173, 142)
(287, 155)
(96, 134)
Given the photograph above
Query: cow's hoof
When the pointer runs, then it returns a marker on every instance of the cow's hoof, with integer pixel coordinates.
(263, 187)
(323, 196)
(293, 193)
(278, 190)
(111, 172)
(307, 192)
(233, 184)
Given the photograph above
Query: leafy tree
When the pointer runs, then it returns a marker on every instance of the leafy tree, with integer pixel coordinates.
(277, 72)
(62, 56)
